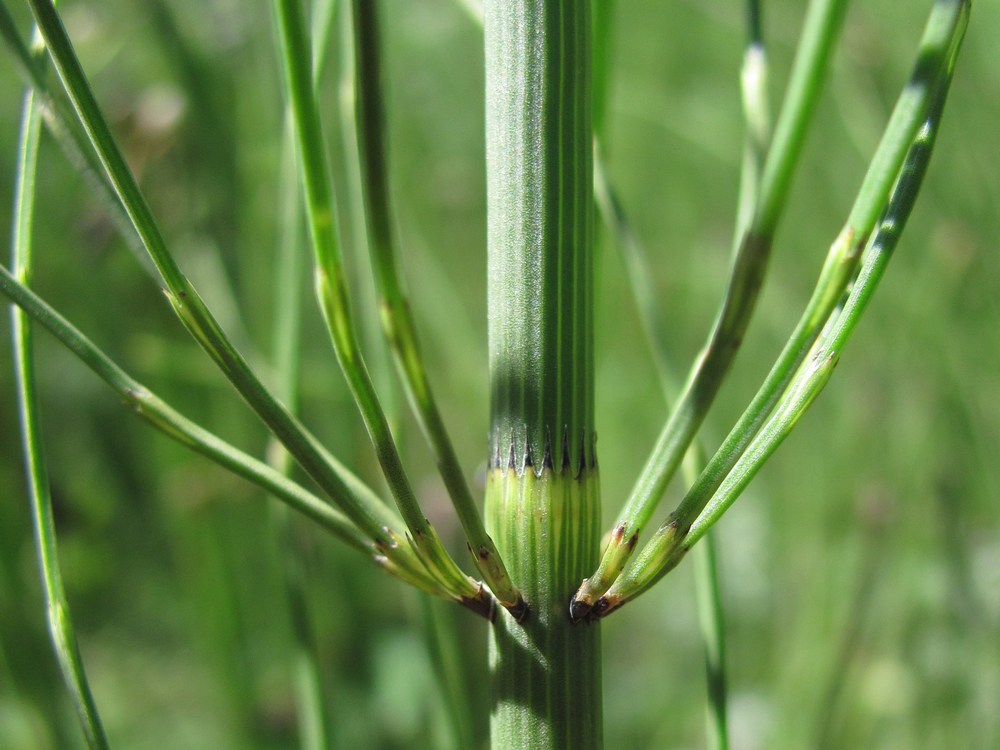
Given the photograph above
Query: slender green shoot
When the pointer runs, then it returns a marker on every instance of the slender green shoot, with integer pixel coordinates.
(929, 83)
(60, 622)
(394, 307)
(334, 299)
(363, 508)
(348, 189)
(312, 697)
(827, 351)
(822, 24)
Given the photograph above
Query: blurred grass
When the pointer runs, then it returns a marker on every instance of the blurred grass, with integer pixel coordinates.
(868, 616)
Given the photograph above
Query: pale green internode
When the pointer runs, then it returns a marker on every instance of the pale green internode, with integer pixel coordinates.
(546, 671)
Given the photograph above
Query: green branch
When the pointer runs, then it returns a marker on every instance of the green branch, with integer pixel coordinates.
(808, 360)
(363, 509)
(394, 307)
(822, 23)
(331, 286)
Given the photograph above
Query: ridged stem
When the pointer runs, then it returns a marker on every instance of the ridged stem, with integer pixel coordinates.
(542, 504)
(540, 226)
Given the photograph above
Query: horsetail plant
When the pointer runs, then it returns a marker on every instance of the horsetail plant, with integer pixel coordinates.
(537, 543)
(542, 493)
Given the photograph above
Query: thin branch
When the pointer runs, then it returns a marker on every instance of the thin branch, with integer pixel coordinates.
(331, 287)
(361, 505)
(921, 103)
(822, 23)
(395, 313)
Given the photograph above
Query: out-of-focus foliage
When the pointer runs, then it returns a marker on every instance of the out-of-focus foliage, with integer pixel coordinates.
(861, 571)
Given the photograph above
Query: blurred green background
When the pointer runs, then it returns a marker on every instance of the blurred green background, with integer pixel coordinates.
(861, 571)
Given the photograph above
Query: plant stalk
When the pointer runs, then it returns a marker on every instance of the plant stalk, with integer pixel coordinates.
(542, 495)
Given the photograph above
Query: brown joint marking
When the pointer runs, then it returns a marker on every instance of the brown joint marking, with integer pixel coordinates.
(520, 611)
(600, 607)
(579, 611)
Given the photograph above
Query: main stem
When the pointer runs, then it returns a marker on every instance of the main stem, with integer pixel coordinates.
(542, 496)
